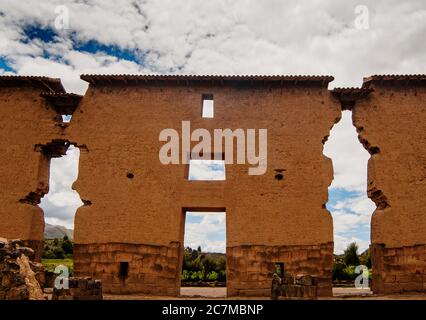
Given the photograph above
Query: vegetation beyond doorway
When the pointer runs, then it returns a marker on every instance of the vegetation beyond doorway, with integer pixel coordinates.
(203, 268)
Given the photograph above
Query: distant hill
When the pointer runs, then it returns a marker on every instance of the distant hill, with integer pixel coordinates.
(54, 231)
(216, 255)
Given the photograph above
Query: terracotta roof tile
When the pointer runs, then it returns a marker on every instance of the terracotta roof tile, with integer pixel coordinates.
(395, 79)
(141, 78)
(45, 83)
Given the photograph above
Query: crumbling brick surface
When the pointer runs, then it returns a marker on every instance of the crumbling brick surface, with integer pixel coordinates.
(391, 124)
(26, 121)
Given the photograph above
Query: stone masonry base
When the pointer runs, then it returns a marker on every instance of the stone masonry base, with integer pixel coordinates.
(398, 270)
(127, 268)
(137, 268)
(250, 268)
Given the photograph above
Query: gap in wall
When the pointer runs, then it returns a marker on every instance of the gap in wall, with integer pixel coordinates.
(204, 259)
(61, 203)
(348, 202)
(206, 170)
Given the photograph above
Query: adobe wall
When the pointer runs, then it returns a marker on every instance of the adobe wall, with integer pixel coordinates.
(391, 123)
(26, 124)
(141, 220)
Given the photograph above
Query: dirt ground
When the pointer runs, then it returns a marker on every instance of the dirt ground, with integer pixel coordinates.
(220, 293)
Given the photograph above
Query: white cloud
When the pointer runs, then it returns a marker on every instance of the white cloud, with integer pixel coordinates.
(76, 64)
(341, 243)
(226, 36)
(207, 170)
(61, 203)
(345, 221)
(350, 174)
(360, 205)
(348, 155)
(209, 233)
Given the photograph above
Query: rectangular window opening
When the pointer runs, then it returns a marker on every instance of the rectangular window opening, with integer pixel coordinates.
(208, 106)
(206, 170)
(124, 270)
(66, 118)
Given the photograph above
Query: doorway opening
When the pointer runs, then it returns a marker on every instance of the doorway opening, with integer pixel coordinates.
(60, 205)
(348, 204)
(204, 254)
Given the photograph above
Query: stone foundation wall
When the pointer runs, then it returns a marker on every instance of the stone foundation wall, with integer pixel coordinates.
(397, 270)
(79, 289)
(156, 269)
(151, 269)
(250, 268)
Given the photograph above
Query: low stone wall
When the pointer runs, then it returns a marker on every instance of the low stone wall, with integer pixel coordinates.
(137, 268)
(398, 270)
(79, 289)
(20, 278)
(301, 287)
(127, 268)
(251, 268)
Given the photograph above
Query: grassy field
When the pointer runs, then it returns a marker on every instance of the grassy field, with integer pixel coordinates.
(51, 264)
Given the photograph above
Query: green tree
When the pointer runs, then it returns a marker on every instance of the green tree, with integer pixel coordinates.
(338, 267)
(58, 253)
(67, 245)
(366, 259)
(198, 266)
(350, 256)
(220, 265)
(209, 265)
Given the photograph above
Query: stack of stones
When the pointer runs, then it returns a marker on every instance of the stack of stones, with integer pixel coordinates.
(79, 289)
(294, 287)
(20, 277)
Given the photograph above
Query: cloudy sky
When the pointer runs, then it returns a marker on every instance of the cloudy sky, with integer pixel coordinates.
(347, 39)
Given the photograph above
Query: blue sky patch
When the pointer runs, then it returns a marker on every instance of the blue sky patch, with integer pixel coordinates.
(37, 32)
(5, 65)
(94, 47)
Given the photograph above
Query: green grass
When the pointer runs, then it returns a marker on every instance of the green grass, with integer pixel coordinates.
(51, 264)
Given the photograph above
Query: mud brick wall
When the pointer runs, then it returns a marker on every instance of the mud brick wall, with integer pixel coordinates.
(134, 207)
(120, 122)
(391, 124)
(251, 268)
(27, 123)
